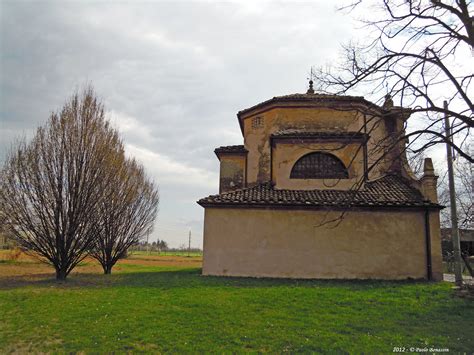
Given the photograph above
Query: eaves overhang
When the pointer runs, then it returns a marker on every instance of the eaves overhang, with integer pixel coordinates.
(230, 150)
(345, 103)
(295, 136)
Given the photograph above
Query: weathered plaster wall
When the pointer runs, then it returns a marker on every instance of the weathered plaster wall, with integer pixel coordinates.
(284, 156)
(379, 157)
(323, 119)
(386, 151)
(232, 172)
(288, 243)
(257, 140)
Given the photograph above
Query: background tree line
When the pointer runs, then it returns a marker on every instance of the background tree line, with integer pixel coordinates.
(158, 245)
(71, 191)
(161, 247)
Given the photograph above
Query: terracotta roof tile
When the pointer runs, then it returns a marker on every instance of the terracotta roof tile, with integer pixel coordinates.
(231, 149)
(311, 98)
(388, 191)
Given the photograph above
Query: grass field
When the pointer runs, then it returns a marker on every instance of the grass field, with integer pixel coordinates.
(162, 304)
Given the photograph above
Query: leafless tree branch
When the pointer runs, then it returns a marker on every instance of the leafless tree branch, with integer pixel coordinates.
(414, 56)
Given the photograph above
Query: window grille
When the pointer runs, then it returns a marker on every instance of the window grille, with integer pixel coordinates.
(319, 166)
(257, 122)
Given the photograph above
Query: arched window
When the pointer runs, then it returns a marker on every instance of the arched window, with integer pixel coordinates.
(319, 166)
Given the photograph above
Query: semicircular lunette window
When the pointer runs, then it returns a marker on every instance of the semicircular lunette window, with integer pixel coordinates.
(319, 166)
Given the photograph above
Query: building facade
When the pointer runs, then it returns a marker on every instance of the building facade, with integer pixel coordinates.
(321, 188)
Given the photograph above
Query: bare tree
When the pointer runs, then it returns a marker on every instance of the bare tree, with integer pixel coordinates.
(464, 179)
(126, 214)
(51, 187)
(414, 50)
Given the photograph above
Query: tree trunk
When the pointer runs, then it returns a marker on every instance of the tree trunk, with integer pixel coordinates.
(107, 269)
(61, 274)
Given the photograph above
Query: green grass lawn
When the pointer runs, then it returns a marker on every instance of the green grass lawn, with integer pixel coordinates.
(170, 309)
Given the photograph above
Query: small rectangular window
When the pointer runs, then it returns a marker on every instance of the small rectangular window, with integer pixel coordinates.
(257, 122)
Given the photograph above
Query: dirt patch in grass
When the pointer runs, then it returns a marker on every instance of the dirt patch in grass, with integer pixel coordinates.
(27, 269)
(31, 347)
(15, 255)
(466, 291)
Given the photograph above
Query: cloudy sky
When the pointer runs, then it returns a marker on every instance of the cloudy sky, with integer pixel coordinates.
(172, 75)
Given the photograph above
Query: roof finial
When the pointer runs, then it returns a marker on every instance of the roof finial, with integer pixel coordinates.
(388, 104)
(310, 90)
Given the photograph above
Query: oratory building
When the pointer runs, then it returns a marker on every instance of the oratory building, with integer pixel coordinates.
(321, 188)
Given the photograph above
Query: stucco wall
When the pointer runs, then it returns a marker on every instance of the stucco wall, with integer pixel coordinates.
(257, 140)
(324, 119)
(289, 243)
(232, 172)
(284, 156)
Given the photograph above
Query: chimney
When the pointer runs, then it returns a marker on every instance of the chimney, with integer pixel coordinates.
(395, 143)
(429, 181)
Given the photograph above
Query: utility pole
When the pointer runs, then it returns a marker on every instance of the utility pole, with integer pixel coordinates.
(189, 244)
(452, 198)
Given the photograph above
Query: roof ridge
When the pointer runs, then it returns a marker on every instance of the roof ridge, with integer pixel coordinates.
(389, 175)
(399, 177)
(240, 148)
(231, 146)
(310, 97)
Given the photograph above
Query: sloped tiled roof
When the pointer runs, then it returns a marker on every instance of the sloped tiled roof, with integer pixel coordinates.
(231, 149)
(310, 98)
(388, 191)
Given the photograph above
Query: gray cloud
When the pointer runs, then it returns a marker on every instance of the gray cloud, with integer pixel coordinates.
(172, 75)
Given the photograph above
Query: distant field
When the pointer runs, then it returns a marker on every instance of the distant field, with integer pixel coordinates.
(162, 304)
(166, 253)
